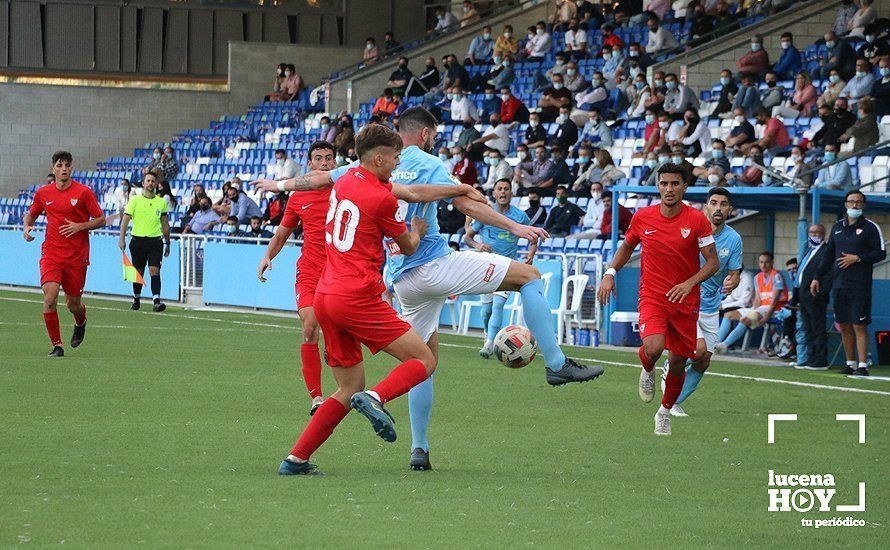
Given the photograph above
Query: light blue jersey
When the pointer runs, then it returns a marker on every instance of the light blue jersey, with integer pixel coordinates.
(415, 167)
(502, 241)
(729, 253)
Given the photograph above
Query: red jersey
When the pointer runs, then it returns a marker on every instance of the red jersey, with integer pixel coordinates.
(310, 208)
(670, 250)
(78, 204)
(363, 211)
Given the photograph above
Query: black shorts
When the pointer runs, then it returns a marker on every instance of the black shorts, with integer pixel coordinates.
(146, 250)
(852, 306)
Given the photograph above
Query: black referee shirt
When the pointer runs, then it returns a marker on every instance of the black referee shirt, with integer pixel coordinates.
(864, 239)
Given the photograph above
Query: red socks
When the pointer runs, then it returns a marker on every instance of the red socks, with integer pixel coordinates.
(81, 318)
(51, 320)
(400, 380)
(311, 368)
(319, 428)
(673, 385)
(644, 360)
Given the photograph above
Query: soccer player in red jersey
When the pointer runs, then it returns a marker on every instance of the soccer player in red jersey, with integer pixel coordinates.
(348, 301)
(672, 235)
(310, 208)
(71, 211)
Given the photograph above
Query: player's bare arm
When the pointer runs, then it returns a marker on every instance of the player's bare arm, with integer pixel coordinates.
(607, 285)
(410, 240)
(276, 243)
(28, 227)
(470, 240)
(316, 179)
(532, 250)
(732, 281)
(70, 228)
(485, 214)
(433, 193)
(125, 223)
(712, 264)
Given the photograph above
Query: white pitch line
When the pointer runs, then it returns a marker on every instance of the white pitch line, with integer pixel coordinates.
(126, 327)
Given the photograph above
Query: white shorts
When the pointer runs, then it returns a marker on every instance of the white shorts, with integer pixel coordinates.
(762, 311)
(708, 326)
(423, 290)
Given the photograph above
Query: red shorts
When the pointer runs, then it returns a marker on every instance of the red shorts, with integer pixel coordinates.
(72, 277)
(347, 322)
(305, 289)
(677, 322)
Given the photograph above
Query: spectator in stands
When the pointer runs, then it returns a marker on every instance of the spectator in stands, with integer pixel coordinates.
(242, 206)
(603, 169)
(775, 137)
(491, 103)
(535, 135)
(624, 217)
(658, 90)
(845, 13)
(638, 97)
(275, 209)
(864, 131)
(553, 98)
(285, 168)
(256, 229)
(728, 91)
(293, 85)
(198, 193)
(470, 14)
(399, 79)
(427, 81)
(864, 16)
(573, 80)
(839, 56)
(385, 105)
(203, 220)
(678, 97)
(594, 98)
(576, 39)
(451, 220)
(445, 21)
(662, 157)
(462, 108)
(567, 133)
(559, 67)
(833, 90)
(346, 138)
(496, 136)
(535, 212)
(616, 66)
(790, 61)
(702, 25)
(752, 175)
(773, 94)
(481, 48)
(802, 102)
(813, 307)
(456, 74)
(771, 296)
(741, 297)
(834, 123)
(659, 138)
(747, 97)
(875, 47)
(535, 174)
(716, 157)
(328, 131)
(468, 134)
(597, 131)
(390, 44)
(371, 54)
(230, 228)
(512, 109)
(716, 176)
(695, 135)
(154, 165)
(724, 20)
(854, 245)
(539, 46)
(280, 77)
(464, 168)
(661, 40)
(564, 215)
(506, 44)
(503, 76)
(880, 90)
(564, 11)
(593, 219)
(121, 196)
(562, 174)
(678, 157)
(756, 61)
(589, 15)
(445, 157)
(498, 169)
(834, 176)
(860, 85)
(580, 166)
(164, 191)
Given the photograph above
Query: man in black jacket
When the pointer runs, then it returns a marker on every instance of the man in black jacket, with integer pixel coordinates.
(564, 215)
(535, 212)
(835, 123)
(813, 306)
(854, 246)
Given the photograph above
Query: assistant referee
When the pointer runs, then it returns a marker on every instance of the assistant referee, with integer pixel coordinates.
(150, 223)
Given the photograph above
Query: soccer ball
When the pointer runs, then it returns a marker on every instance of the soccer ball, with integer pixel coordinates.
(515, 346)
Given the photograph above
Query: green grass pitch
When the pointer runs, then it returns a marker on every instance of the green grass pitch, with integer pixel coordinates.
(166, 430)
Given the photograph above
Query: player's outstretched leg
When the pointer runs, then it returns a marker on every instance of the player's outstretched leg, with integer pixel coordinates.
(51, 318)
(495, 322)
(536, 311)
(649, 352)
(673, 387)
(420, 407)
(79, 310)
(311, 358)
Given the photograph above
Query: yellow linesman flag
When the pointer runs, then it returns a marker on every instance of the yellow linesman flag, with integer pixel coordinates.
(131, 274)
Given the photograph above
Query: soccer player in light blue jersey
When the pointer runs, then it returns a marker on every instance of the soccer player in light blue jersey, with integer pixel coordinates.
(713, 290)
(498, 241)
(425, 279)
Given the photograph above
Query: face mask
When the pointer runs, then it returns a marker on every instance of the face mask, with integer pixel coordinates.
(634, 71)
(650, 119)
(324, 127)
(491, 161)
(583, 160)
(458, 157)
(505, 97)
(449, 96)
(369, 46)
(724, 80)
(530, 36)
(540, 32)
(506, 63)
(786, 45)
(677, 160)
(508, 34)
(834, 78)
(557, 85)
(562, 200)
(663, 159)
(607, 56)
(713, 179)
(489, 96)
(854, 213)
(533, 123)
(634, 53)
(595, 195)
(755, 47)
(523, 155)
(651, 163)
(339, 159)
(486, 36)
(795, 158)
(860, 74)
(534, 204)
(829, 156)
(664, 124)
(717, 153)
(570, 72)
(443, 156)
(659, 83)
(771, 83)
(597, 82)
(560, 62)
(287, 73)
(815, 241)
(280, 162)
(496, 60)
(560, 119)
(639, 85)
(829, 44)
(739, 119)
(672, 85)
(230, 229)
(594, 122)
(156, 156)
(885, 72)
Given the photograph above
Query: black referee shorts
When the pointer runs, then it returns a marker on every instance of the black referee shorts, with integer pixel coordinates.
(852, 306)
(148, 250)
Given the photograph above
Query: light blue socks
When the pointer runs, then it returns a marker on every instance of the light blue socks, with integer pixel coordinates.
(420, 405)
(693, 377)
(496, 319)
(737, 333)
(536, 311)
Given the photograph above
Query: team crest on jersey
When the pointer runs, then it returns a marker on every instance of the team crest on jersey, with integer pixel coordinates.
(685, 232)
(723, 253)
(73, 202)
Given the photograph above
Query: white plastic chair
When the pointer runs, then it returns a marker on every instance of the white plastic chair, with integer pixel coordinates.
(514, 306)
(466, 309)
(450, 304)
(568, 312)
